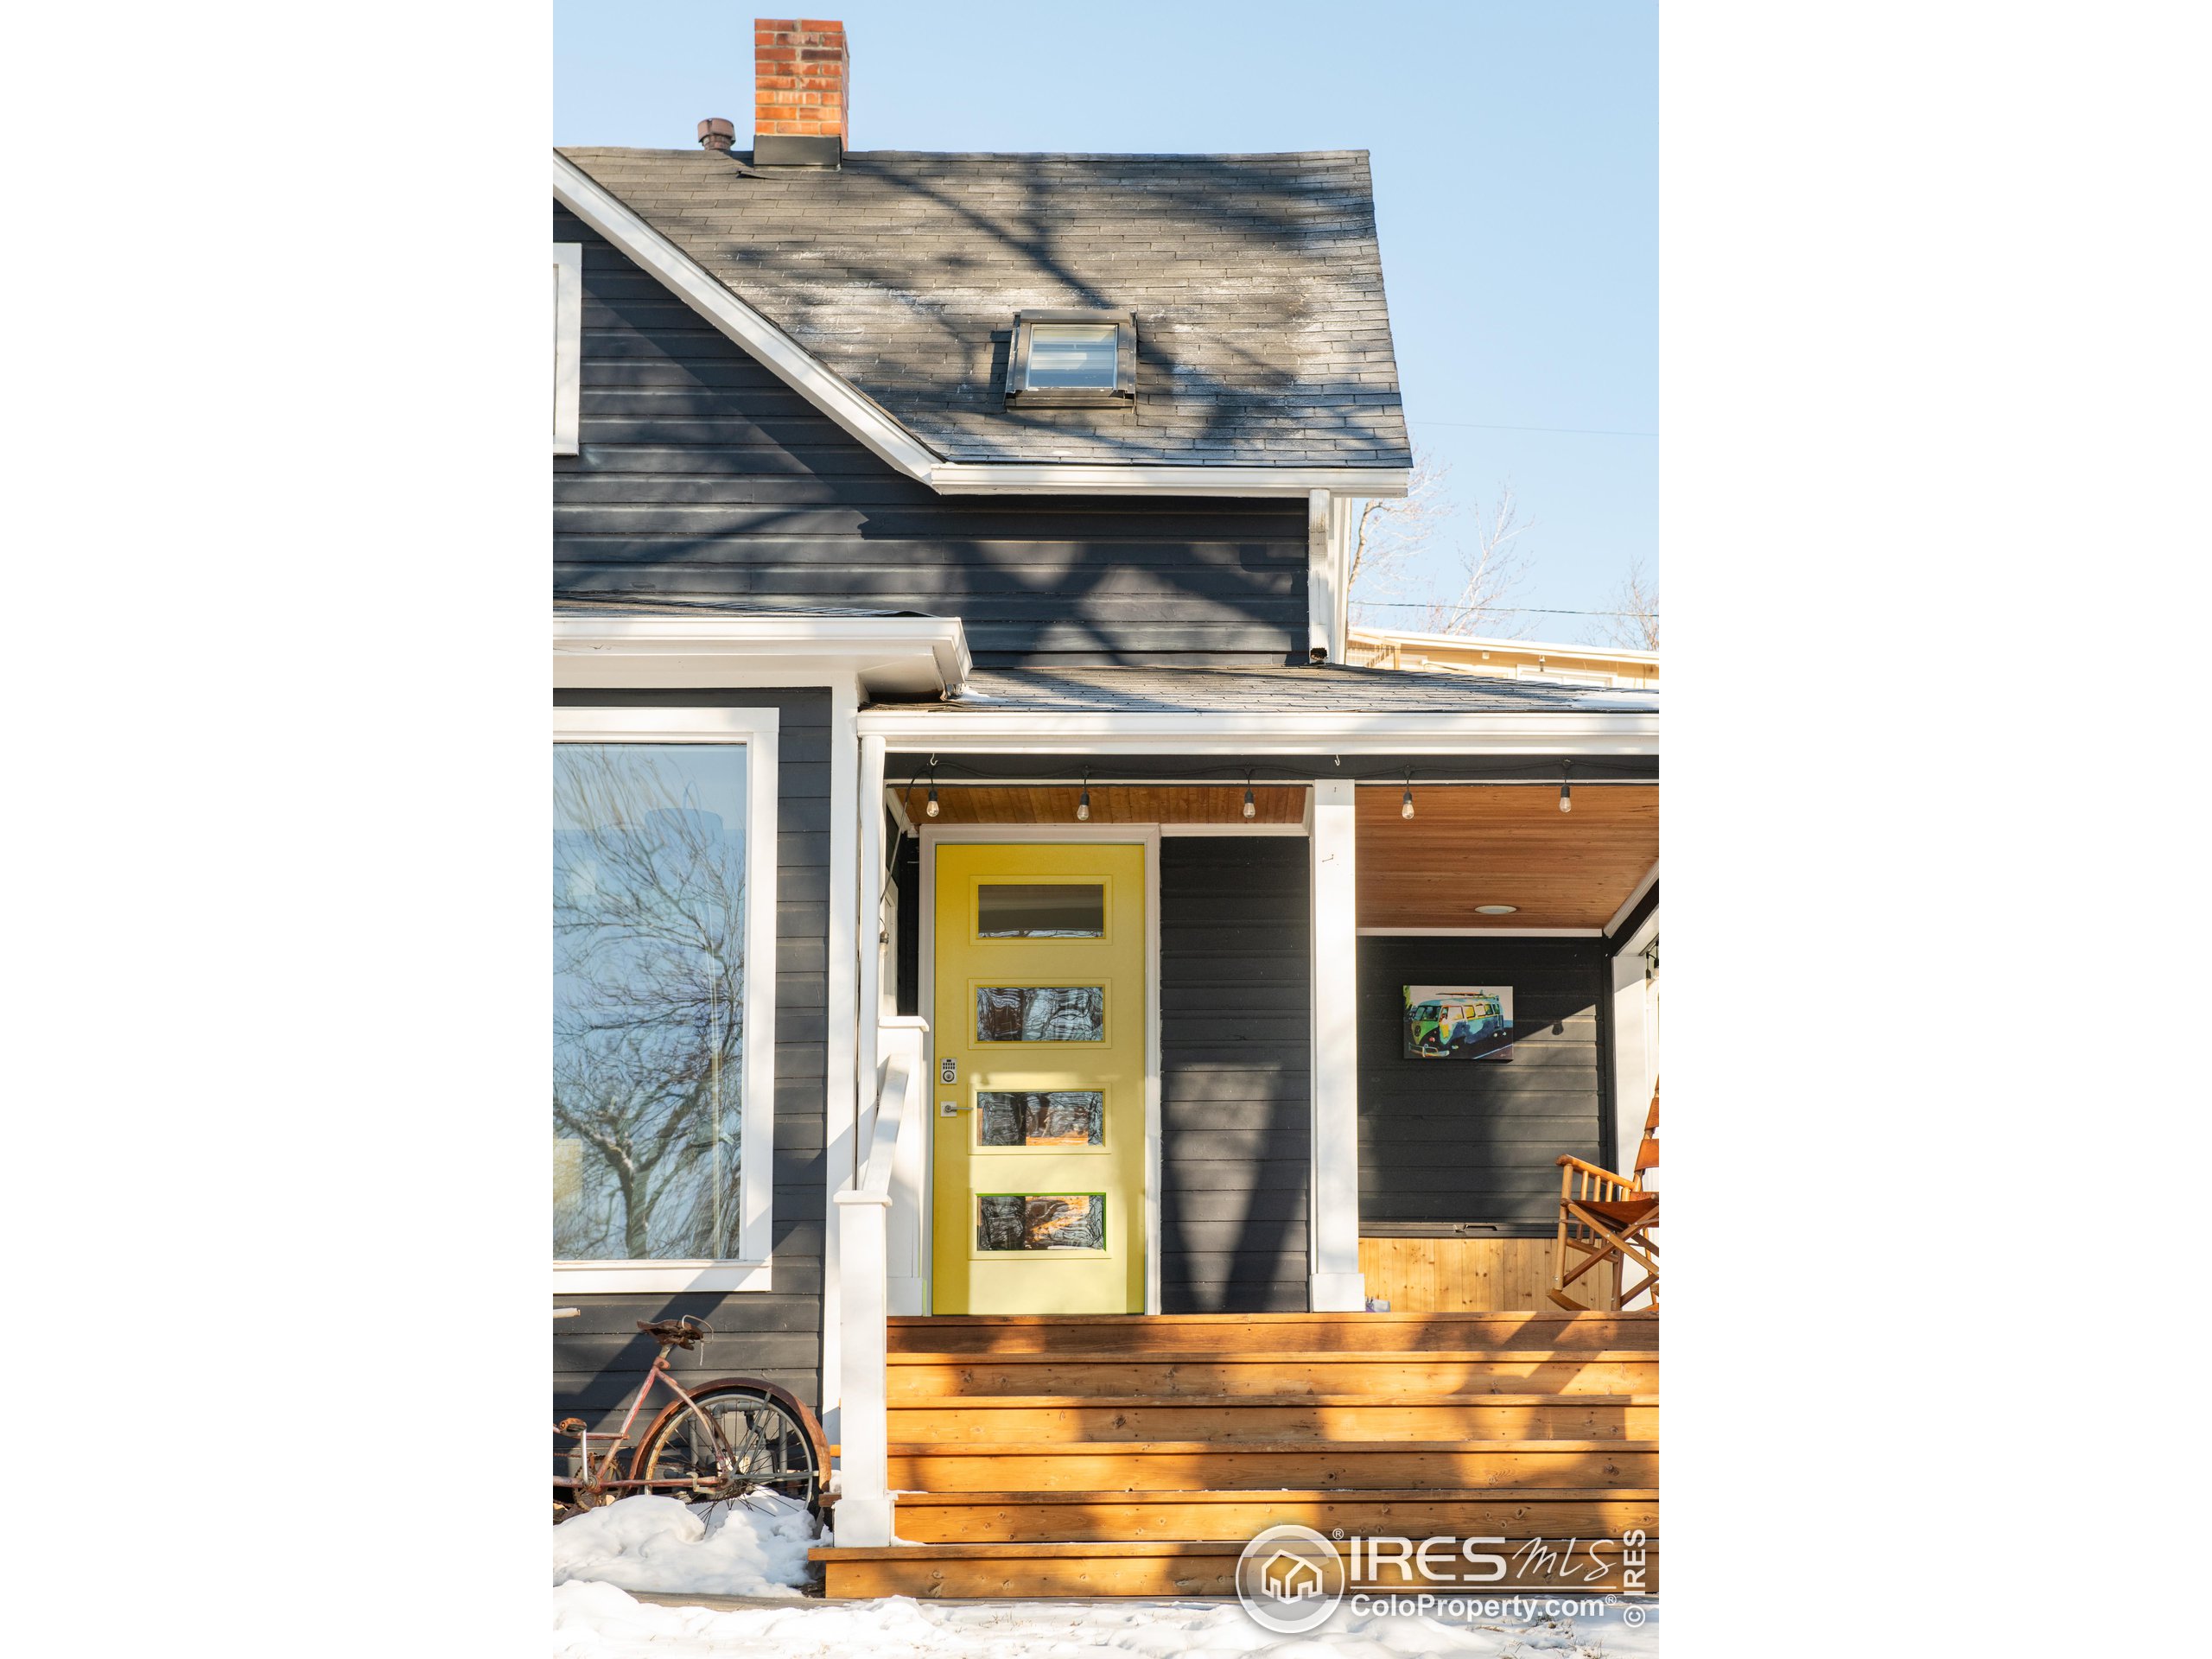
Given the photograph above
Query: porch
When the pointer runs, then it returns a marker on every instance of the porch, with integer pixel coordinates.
(1307, 1150)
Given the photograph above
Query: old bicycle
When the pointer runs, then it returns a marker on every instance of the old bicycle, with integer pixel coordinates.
(713, 1440)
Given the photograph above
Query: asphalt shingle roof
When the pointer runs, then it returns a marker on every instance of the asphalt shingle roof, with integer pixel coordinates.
(1262, 336)
(1317, 689)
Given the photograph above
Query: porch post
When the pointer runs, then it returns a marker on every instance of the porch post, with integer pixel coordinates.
(1336, 1285)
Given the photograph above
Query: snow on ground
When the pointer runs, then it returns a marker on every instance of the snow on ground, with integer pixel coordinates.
(758, 1548)
(597, 1621)
(754, 1547)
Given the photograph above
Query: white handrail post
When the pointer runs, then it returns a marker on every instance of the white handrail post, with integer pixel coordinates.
(868, 1215)
(863, 1517)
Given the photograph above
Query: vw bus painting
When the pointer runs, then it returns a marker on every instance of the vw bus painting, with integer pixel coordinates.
(1458, 1022)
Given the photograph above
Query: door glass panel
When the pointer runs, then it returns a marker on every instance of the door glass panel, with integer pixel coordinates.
(1041, 1014)
(1064, 1221)
(1059, 1117)
(1041, 910)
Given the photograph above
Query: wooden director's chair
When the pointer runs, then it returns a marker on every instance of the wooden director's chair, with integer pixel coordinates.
(1605, 1218)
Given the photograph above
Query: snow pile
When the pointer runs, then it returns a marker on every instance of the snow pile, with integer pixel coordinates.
(596, 1621)
(754, 1547)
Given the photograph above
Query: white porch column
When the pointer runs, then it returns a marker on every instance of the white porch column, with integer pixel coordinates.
(846, 1083)
(1337, 1285)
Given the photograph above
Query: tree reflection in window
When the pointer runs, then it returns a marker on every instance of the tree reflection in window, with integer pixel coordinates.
(1041, 1014)
(649, 970)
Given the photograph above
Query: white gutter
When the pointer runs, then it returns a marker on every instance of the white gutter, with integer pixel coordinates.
(975, 731)
(1065, 478)
(900, 656)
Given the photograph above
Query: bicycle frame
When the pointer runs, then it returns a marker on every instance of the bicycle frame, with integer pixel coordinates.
(657, 1373)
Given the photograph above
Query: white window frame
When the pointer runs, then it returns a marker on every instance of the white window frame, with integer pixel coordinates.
(755, 730)
(568, 344)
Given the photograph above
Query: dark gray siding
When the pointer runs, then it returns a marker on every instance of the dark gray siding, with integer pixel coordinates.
(1473, 1141)
(599, 1358)
(1233, 1073)
(703, 476)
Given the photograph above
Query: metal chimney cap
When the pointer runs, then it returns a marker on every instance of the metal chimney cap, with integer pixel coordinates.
(716, 133)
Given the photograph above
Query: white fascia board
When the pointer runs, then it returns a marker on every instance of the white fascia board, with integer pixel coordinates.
(1279, 734)
(907, 655)
(1073, 478)
(791, 362)
(1634, 899)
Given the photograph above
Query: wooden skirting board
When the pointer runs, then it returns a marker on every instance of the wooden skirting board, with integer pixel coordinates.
(1470, 1275)
(959, 1571)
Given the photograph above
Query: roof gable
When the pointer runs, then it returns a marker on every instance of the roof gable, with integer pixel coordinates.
(1264, 337)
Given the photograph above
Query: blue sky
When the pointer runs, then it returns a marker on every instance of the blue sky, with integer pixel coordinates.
(1516, 161)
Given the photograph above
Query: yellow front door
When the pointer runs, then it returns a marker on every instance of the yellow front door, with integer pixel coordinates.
(1037, 1081)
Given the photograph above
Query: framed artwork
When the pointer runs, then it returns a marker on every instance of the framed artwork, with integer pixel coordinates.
(1458, 1022)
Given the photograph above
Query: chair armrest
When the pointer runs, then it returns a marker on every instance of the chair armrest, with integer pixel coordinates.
(1567, 1161)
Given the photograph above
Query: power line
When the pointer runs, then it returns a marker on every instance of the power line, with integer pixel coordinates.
(1491, 610)
(1573, 431)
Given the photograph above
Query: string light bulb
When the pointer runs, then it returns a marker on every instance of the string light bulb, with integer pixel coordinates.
(1083, 803)
(1565, 795)
(1405, 803)
(932, 809)
(1251, 809)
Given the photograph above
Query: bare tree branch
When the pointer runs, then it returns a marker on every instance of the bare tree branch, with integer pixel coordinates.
(1490, 574)
(1638, 600)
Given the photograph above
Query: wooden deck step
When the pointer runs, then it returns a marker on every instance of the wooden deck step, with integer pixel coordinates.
(917, 1375)
(1200, 1568)
(1231, 1418)
(1206, 1465)
(1130, 1334)
(1123, 1517)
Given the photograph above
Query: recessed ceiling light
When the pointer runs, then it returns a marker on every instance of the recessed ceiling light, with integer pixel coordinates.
(1495, 910)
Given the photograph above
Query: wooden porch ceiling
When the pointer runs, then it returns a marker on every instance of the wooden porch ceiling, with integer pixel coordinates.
(1466, 846)
(1109, 804)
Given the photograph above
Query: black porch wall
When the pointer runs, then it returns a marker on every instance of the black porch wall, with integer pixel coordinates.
(1233, 1073)
(1474, 1141)
(599, 1358)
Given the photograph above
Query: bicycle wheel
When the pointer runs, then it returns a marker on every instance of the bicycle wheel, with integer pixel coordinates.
(770, 1444)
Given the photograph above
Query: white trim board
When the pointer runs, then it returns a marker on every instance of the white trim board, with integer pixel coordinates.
(1244, 735)
(883, 434)
(1141, 478)
(606, 651)
(757, 730)
(1634, 898)
(568, 343)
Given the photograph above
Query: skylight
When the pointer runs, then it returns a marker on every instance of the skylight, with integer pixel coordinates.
(1073, 359)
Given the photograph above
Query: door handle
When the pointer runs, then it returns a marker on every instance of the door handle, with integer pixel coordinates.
(951, 1108)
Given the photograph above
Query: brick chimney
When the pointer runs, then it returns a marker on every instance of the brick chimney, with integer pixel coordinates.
(799, 106)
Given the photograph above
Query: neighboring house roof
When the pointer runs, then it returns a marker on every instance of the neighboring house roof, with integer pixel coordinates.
(1481, 655)
(1257, 284)
(1307, 689)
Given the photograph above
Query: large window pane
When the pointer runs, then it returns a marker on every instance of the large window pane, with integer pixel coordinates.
(648, 979)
